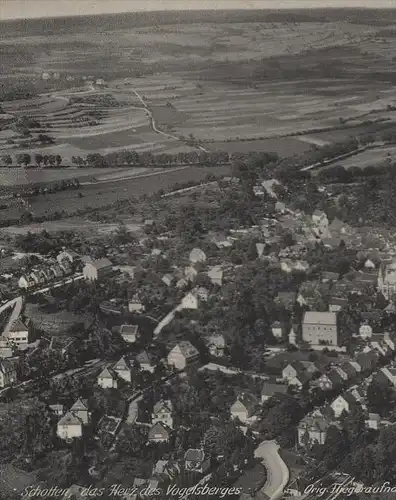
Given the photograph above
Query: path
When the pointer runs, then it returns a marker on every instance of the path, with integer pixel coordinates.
(277, 471)
(154, 125)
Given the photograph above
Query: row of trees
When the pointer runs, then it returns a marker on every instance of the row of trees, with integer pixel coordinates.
(26, 159)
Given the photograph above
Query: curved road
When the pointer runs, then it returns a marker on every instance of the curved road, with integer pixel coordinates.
(277, 471)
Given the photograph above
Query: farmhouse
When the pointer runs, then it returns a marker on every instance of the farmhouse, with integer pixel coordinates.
(69, 427)
(97, 269)
(182, 355)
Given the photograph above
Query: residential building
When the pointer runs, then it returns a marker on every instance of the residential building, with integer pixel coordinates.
(299, 380)
(196, 461)
(97, 269)
(129, 333)
(190, 301)
(276, 329)
(8, 374)
(337, 303)
(18, 333)
(320, 224)
(244, 407)
(297, 368)
(216, 345)
(312, 430)
(145, 362)
(182, 355)
(215, 274)
(123, 369)
(320, 328)
(80, 410)
(197, 255)
(107, 379)
(162, 412)
(373, 421)
(190, 273)
(69, 255)
(340, 372)
(343, 402)
(324, 382)
(272, 390)
(69, 427)
(159, 433)
(135, 305)
(387, 280)
(365, 330)
(57, 409)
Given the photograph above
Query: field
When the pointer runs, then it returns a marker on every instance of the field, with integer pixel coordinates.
(237, 86)
(369, 158)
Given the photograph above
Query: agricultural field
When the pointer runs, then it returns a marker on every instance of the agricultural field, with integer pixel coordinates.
(369, 158)
(232, 85)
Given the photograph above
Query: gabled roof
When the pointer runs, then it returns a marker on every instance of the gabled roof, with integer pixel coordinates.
(143, 358)
(122, 364)
(106, 373)
(6, 366)
(162, 405)
(80, 404)
(159, 428)
(69, 419)
(187, 349)
(248, 400)
(18, 326)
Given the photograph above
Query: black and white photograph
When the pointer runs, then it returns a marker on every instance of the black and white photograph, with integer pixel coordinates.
(197, 249)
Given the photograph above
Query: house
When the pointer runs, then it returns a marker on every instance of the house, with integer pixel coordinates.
(216, 345)
(369, 264)
(286, 299)
(129, 333)
(69, 255)
(337, 303)
(25, 282)
(18, 333)
(215, 274)
(387, 280)
(162, 412)
(145, 362)
(373, 421)
(244, 407)
(135, 305)
(97, 269)
(197, 255)
(390, 374)
(159, 433)
(107, 379)
(336, 378)
(365, 330)
(270, 390)
(276, 329)
(69, 427)
(190, 273)
(182, 355)
(299, 380)
(312, 430)
(320, 328)
(190, 301)
(196, 461)
(297, 368)
(58, 409)
(167, 279)
(123, 369)
(320, 224)
(80, 410)
(8, 374)
(202, 293)
(343, 402)
(324, 382)
(340, 372)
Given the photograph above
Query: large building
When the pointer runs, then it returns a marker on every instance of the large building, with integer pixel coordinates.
(97, 269)
(387, 280)
(320, 328)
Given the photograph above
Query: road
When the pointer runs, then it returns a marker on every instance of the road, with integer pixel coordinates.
(277, 471)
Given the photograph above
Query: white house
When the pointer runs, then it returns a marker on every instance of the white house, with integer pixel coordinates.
(182, 355)
(107, 380)
(69, 427)
(145, 362)
(18, 333)
(244, 407)
(123, 370)
(342, 403)
(215, 274)
(276, 329)
(80, 410)
(190, 301)
(162, 412)
(97, 269)
(8, 375)
(197, 255)
(69, 255)
(365, 331)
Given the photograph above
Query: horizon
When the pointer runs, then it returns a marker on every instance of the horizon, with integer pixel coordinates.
(41, 9)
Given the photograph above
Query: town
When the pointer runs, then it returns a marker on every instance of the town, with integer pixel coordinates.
(255, 356)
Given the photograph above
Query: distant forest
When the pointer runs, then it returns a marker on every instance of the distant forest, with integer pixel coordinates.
(110, 22)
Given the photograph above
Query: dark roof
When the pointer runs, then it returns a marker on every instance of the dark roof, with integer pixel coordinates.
(18, 326)
(129, 329)
(272, 389)
(338, 301)
(366, 277)
(335, 377)
(194, 455)
(143, 358)
(375, 315)
(101, 263)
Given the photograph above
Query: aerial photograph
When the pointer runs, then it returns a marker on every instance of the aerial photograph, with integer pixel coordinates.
(198, 249)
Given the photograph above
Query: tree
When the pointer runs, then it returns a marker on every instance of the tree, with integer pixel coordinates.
(379, 397)
(7, 160)
(23, 159)
(58, 160)
(38, 159)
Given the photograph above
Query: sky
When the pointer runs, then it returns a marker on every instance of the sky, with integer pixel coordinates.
(14, 9)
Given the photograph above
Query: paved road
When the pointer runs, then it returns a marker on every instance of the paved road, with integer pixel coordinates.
(277, 471)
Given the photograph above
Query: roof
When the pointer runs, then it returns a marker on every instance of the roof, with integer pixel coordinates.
(143, 358)
(105, 373)
(129, 330)
(159, 427)
(248, 400)
(101, 263)
(121, 364)
(330, 275)
(338, 301)
(197, 255)
(187, 349)
(314, 423)
(320, 318)
(194, 455)
(366, 277)
(69, 419)
(72, 253)
(335, 377)
(167, 405)
(18, 326)
(272, 389)
(79, 405)
(6, 366)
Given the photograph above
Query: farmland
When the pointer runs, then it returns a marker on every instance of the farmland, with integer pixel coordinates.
(369, 158)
